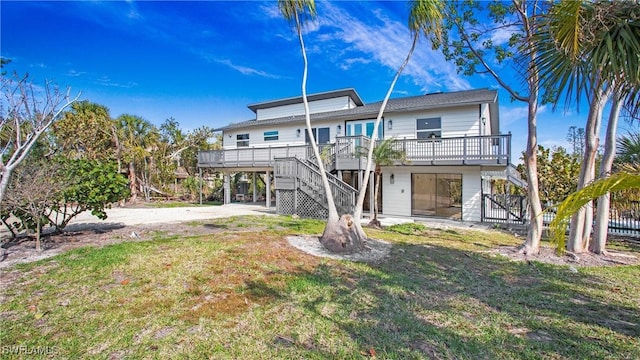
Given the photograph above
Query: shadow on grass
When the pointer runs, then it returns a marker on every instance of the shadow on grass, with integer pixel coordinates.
(435, 302)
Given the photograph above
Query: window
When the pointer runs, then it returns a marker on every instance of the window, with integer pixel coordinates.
(270, 135)
(321, 135)
(242, 140)
(430, 128)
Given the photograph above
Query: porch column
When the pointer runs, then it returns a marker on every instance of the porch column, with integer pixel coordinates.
(227, 188)
(372, 199)
(268, 190)
(255, 187)
(340, 175)
(360, 179)
(200, 187)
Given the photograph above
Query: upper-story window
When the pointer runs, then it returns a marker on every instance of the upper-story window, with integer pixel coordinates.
(270, 135)
(430, 128)
(321, 135)
(242, 140)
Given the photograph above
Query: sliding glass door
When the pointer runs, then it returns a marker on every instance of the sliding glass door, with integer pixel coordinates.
(436, 195)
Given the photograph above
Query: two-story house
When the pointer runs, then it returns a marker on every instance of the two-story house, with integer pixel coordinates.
(451, 141)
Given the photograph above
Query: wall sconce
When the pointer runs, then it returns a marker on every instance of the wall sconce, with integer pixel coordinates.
(339, 129)
(390, 124)
(392, 179)
(298, 133)
(484, 120)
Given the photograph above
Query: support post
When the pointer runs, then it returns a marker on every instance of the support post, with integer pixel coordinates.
(255, 187)
(200, 173)
(227, 188)
(268, 190)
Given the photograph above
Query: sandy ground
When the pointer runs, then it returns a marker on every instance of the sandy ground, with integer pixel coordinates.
(141, 223)
(122, 224)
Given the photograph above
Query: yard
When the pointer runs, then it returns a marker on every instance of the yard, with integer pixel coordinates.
(234, 288)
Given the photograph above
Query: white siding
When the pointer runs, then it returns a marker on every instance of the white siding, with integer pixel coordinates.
(318, 106)
(486, 115)
(287, 134)
(396, 199)
(456, 122)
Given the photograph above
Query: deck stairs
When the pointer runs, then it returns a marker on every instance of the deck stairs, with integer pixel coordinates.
(299, 189)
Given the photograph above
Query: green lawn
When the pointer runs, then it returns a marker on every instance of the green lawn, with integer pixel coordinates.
(243, 292)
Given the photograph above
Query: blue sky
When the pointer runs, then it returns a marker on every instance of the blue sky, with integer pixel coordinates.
(203, 62)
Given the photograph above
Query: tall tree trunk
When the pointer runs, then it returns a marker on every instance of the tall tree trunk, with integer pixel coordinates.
(580, 221)
(375, 222)
(357, 214)
(133, 182)
(532, 243)
(601, 228)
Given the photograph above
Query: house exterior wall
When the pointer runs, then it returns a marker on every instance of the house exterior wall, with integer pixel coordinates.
(317, 106)
(396, 199)
(287, 134)
(456, 122)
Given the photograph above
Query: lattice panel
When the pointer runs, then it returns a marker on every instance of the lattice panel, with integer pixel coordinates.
(307, 206)
(285, 203)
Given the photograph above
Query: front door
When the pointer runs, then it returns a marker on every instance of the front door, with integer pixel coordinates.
(436, 195)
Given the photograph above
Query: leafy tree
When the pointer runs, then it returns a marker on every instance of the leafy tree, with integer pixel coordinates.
(31, 193)
(25, 114)
(89, 185)
(86, 131)
(54, 191)
(469, 41)
(558, 173)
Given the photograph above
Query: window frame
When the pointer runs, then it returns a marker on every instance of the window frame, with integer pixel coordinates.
(242, 140)
(433, 132)
(272, 135)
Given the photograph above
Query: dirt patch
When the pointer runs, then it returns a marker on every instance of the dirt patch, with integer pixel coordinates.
(548, 255)
(376, 250)
(22, 249)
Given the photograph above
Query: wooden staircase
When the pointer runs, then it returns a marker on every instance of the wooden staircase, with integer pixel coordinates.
(299, 190)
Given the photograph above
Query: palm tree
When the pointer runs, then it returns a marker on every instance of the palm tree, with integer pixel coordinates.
(629, 148)
(591, 48)
(135, 135)
(384, 154)
(333, 238)
(425, 17)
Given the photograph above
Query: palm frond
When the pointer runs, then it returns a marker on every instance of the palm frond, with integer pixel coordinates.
(575, 201)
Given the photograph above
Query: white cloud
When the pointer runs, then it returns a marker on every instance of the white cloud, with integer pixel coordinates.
(106, 81)
(74, 73)
(245, 70)
(501, 36)
(387, 42)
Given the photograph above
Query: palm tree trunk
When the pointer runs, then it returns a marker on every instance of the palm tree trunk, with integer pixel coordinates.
(601, 228)
(357, 214)
(133, 182)
(581, 222)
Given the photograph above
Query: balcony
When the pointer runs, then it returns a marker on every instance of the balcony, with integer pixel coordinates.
(345, 154)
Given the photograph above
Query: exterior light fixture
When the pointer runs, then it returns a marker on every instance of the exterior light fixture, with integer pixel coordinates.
(339, 129)
(392, 179)
(298, 133)
(390, 124)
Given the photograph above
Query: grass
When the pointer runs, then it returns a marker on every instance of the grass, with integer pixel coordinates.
(244, 293)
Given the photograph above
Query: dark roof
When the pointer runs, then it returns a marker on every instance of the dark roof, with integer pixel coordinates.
(311, 97)
(412, 103)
